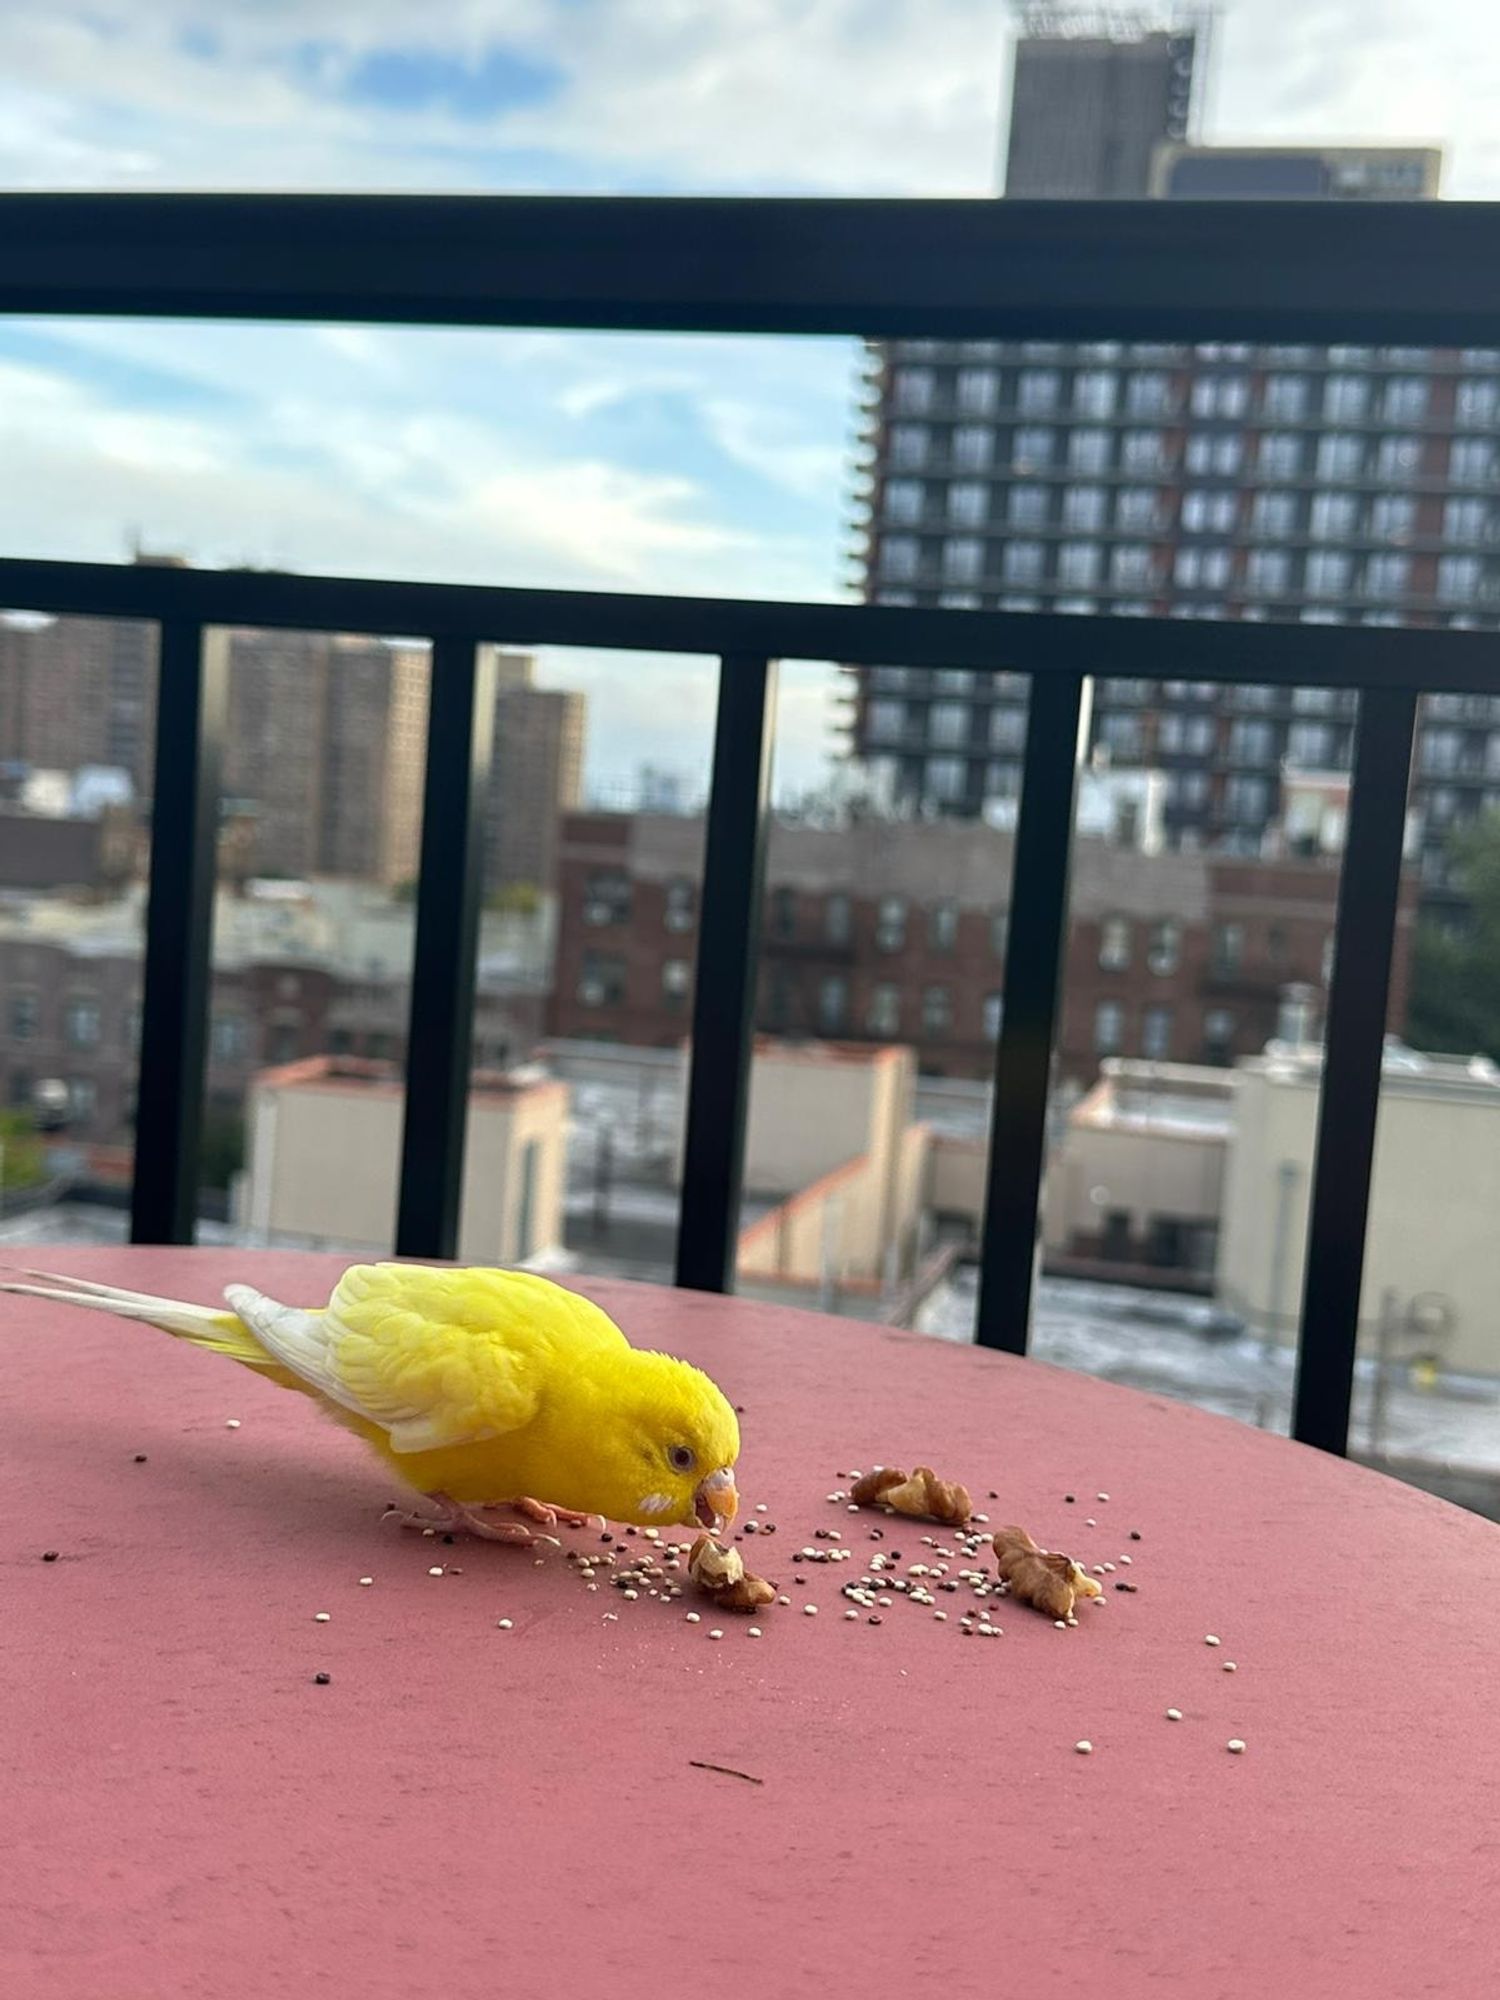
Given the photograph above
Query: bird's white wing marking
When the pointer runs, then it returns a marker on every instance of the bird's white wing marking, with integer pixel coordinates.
(302, 1341)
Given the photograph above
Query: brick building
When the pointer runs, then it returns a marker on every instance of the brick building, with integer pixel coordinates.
(536, 776)
(896, 932)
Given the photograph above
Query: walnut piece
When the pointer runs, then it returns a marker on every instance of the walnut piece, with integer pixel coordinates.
(722, 1575)
(1041, 1577)
(923, 1496)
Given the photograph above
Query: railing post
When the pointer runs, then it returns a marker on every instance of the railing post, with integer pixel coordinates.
(1353, 1043)
(192, 695)
(724, 985)
(460, 731)
(1033, 979)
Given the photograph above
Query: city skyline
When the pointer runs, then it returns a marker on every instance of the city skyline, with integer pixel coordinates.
(595, 461)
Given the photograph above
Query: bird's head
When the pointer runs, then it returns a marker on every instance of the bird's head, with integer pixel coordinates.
(668, 1449)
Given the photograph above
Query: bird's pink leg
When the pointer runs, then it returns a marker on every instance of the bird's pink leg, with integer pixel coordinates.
(491, 1524)
(550, 1516)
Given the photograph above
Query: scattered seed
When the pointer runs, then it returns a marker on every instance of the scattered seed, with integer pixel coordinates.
(1135, 1534)
(1069, 1498)
(1091, 1522)
(693, 1618)
(320, 1617)
(941, 1617)
(1084, 1747)
(140, 1458)
(630, 1596)
(851, 1614)
(994, 1496)
(1230, 1667)
(231, 1423)
(1236, 1744)
(49, 1555)
(1211, 1639)
(1101, 1496)
(783, 1598)
(810, 1610)
(1125, 1559)
(761, 1507)
(716, 1632)
(874, 1618)
(367, 1580)
(1174, 1715)
(322, 1681)
(1061, 1624)
(752, 1631)
(504, 1624)
(1121, 1584)
(436, 1570)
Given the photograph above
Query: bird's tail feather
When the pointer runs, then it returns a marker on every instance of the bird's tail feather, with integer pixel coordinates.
(219, 1331)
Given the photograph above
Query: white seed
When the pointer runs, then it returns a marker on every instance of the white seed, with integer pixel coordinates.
(1236, 1744)
(1174, 1715)
(717, 1632)
(1211, 1639)
(762, 1507)
(630, 1596)
(504, 1624)
(1230, 1667)
(436, 1570)
(611, 1618)
(783, 1598)
(982, 1517)
(752, 1632)
(810, 1610)
(851, 1614)
(1084, 1747)
(1107, 1568)
(1091, 1522)
(321, 1617)
(1126, 1561)
(231, 1423)
(1073, 1622)
(367, 1580)
(1061, 1624)
(693, 1618)
(941, 1617)
(852, 1508)
(1101, 1496)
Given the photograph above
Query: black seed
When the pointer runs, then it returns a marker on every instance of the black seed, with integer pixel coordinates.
(449, 1540)
(632, 1531)
(1069, 1498)
(994, 1496)
(1131, 1587)
(877, 1534)
(739, 1409)
(1135, 1534)
(49, 1555)
(798, 1579)
(873, 1620)
(950, 1586)
(140, 1458)
(606, 1538)
(768, 1527)
(322, 1680)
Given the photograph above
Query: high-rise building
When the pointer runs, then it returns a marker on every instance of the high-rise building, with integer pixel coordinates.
(324, 750)
(1314, 484)
(1095, 94)
(536, 776)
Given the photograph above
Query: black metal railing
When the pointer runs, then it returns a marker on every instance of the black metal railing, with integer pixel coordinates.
(1291, 272)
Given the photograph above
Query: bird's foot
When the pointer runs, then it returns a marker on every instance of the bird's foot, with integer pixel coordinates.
(490, 1524)
(552, 1517)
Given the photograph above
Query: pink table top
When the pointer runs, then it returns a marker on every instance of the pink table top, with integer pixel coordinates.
(465, 1810)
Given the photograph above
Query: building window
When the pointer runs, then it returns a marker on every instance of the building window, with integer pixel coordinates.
(779, 1000)
(899, 556)
(1209, 512)
(1247, 800)
(886, 720)
(1393, 516)
(1328, 573)
(1143, 451)
(1121, 736)
(1268, 572)
(25, 1014)
(978, 391)
(1471, 462)
(890, 924)
(607, 898)
(1137, 511)
(937, 1011)
(908, 446)
(1156, 1034)
(1023, 562)
(1398, 457)
(1164, 948)
(903, 501)
(994, 1016)
(1228, 948)
(968, 503)
(833, 1003)
(1084, 509)
(973, 447)
(1458, 578)
(1220, 396)
(837, 919)
(1114, 944)
(783, 913)
(1280, 455)
(284, 1042)
(601, 982)
(1273, 515)
(1387, 576)
(942, 927)
(1203, 568)
(81, 1024)
(1465, 520)
(1088, 451)
(1130, 566)
(1346, 399)
(1218, 1036)
(1441, 751)
(1094, 392)
(1340, 456)
(1149, 394)
(914, 387)
(1109, 1028)
(1079, 564)
(1334, 517)
(1405, 400)
(963, 559)
(83, 1100)
(1220, 453)
(1309, 746)
(883, 1014)
(1286, 398)
(1477, 402)
(229, 1038)
(1026, 506)
(676, 978)
(1032, 447)
(1038, 391)
(679, 908)
(947, 779)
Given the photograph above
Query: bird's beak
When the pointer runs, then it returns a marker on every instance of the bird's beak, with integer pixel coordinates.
(716, 1502)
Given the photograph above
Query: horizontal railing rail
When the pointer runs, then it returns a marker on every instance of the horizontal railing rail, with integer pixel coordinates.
(1285, 272)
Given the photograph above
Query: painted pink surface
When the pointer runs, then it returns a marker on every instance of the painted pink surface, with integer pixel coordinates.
(465, 1811)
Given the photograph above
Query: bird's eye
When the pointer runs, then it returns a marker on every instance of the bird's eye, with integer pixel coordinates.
(680, 1458)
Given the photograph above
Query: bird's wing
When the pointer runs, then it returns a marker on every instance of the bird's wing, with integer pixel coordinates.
(435, 1357)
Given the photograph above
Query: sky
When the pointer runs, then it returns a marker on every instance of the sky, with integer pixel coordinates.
(719, 466)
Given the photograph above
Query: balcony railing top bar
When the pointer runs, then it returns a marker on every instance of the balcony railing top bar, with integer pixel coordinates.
(1392, 273)
(1109, 648)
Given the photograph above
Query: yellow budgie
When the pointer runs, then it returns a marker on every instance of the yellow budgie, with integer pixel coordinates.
(492, 1393)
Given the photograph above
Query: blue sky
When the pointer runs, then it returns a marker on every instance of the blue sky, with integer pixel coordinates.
(622, 463)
